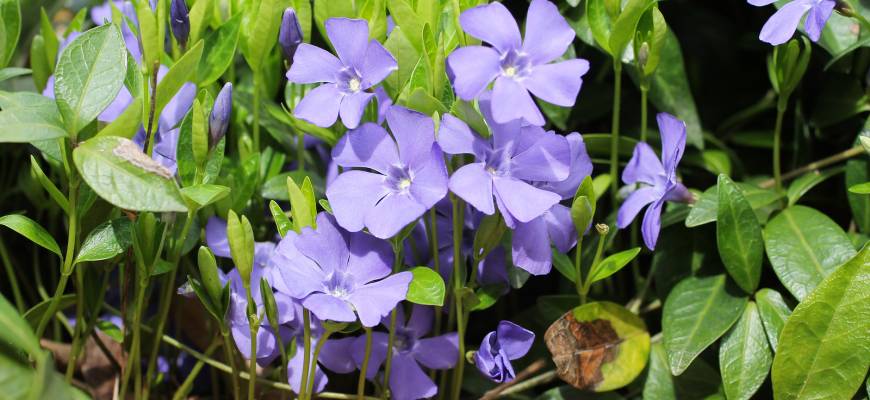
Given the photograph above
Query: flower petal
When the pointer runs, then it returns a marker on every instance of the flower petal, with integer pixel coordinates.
(177, 108)
(581, 167)
(781, 26)
(320, 106)
(524, 202)
(439, 352)
(368, 146)
(353, 195)
(530, 247)
(379, 353)
(414, 133)
(549, 159)
(370, 258)
(511, 101)
(311, 64)
(352, 108)
(494, 24)
(514, 339)
(548, 35)
(336, 355)
(297, 364)
(817, 18)
(350, 38)
(408, 381)
(474, 185)
(216, 237)
(392, 213)
(378, 64)
(474, 67)
(673, 133)
(299, 276)
(560, 227)
(326, 245)
(420, 322)
(455, 137)
(632, 205)
(558, 83)
(652, 224)
(644, 166)
(375, 300)
(327, 307)
(430, 179)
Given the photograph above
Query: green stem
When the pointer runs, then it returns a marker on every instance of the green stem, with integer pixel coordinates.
(458, 285)
(587, 284)
(306, 337)
(361, 384)
(254, 326)
(256, 106)
(185, 387)
(66, 271)
(578, 252)
(149, 134)
(234, 373)
(135, 344)
(300, 150)
(782, 104)
(398, 250)
(312, 371)
(644, 91)
(614, 130)
(80, 327)
(13, 280)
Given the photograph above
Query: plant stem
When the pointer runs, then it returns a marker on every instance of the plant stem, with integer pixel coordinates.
(361, 384)
(398, 250)
(588, 281)
(312, 371)
(306, 337)
(815, 165)
(777, 138)
(614, 130)
(578, 252)
(254, 326)
(228, 353)
(644, 91)
(458, 285)
(300, 150)
(256, 106)
(13, 280)
(66, 271)
(135, 344)
(149, 134)
(79, 328)
(185, 387)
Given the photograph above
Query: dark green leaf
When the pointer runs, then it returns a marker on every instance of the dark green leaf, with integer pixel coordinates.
(802, 185)
(219, 51)
(32, 231)
(183, 71)
(10, 29)
(707, 207)
(858, 172)
(774, 312)
(106, 241)
(29, 117)
(34, 315)
(738, 236)
(16, 332)
(744, 356)
(700, 381)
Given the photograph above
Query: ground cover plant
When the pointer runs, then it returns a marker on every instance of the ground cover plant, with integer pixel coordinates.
(449, 199)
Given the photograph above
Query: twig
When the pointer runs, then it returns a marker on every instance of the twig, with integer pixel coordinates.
(541, 379)
(523, 375)
(844, 155)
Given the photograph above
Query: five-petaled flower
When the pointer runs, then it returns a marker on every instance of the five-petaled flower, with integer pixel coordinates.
(406, 176)
(657, 179)
(517, 65)
(782, 25)
(360, 65)
(508, 342)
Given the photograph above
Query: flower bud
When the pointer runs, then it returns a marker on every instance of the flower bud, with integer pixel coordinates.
(219, 120)
(180, 21)
(290, 35)
(643, 54)
(603, 229)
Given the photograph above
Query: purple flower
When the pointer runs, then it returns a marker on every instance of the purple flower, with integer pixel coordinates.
(518, 66)
(179, 21)
(237, 317)
(657, 179)
(531, 240)
(404, 177)
(219, 119)
(334, 273)
(508, 342)
(290, 34)
(102, 14)
(782, 25)
(360, 65)
(504, 166)
(411, 349)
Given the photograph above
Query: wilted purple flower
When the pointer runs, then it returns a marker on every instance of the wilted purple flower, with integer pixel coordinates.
(360, 65)
(517, 65)
(508, 342)
(657, 179)
(290, 34)
(504, 165)
(334, 273)
(179, 21)
(782, 25)
(531, 240)
(408, 174)
(219, 119)
(411, 349)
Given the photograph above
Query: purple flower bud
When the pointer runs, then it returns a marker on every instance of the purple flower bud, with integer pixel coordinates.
(180, 21)
(290, 35)
(219, 120)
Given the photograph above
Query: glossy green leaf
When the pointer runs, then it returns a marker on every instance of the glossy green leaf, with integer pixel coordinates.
(804, 246)
(738, 236)
(219, 51)
(119, 172)
(32, 231)
(426, 288)
(599, 23)
(29, 117)
(16, 332)
(774, 312)
(182, 71)
(10, 29)
(106, 241)
(90, 73)
(13, 72)
(583, 206)
(48, 185)
(127, 124)
(824, 348)
(149, 34)
(240, 236)
(861, 188)
(744, 356)
(626, 25)
(198, 16)
(34, 315)
(260, 30)
(706, 207)
(805, 183)
(302, 204)
(670, 91)
(696, 313)
(612, 264)
(199, 196)
(699, 381)
(858, 172)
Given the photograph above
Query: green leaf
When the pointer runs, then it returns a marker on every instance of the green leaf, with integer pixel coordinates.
(599, 23)
(326, 9)
(198, 17)
(127, 124)
(119, 172)
(583, 206)
(240, 236)
(34, 315)
(219, 51)
(700, 381)
(858, 172)
(303, 14)
(716, 161)
(426, 288)
(861, 188)
(199, 196)
(626, 25)
(696, 313)
(16, 332)
(182, 72)
(744, 356)
(824, 348)
(804, 246)
(738, 235)
(149, 34)
(13, 72)
(564, 265)
(599, 346)
(707, 207)
(32, 231)
(48, 185)
(106, 241)
(29, 117)
(488, 295)
(802, 185)
(10, 29)
(262, 20)
(90, 73)
(612, 264)
(670, 91)
(111, 330)
(302, 204)
(774, 312)
(374, 11)
(282, 222)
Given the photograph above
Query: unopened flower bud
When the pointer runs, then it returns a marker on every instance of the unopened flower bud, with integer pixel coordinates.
(290, 35)
(643, 54)
(180, 21)
(218, 121)
(602, 229)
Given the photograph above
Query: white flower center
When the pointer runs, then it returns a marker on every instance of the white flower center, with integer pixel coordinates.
(404, 184)
(354, 85)
(510, 71)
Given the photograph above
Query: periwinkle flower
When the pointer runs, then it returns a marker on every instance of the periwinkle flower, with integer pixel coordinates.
(333, 273)
(219, 119)
(360, 65)
(406, 176)
(179, 21)
(517, 65)
(782, 25)
(237, 317)
(531, 240)
(657, 179)
(508, 342)
(504, 167)
(290, 34)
